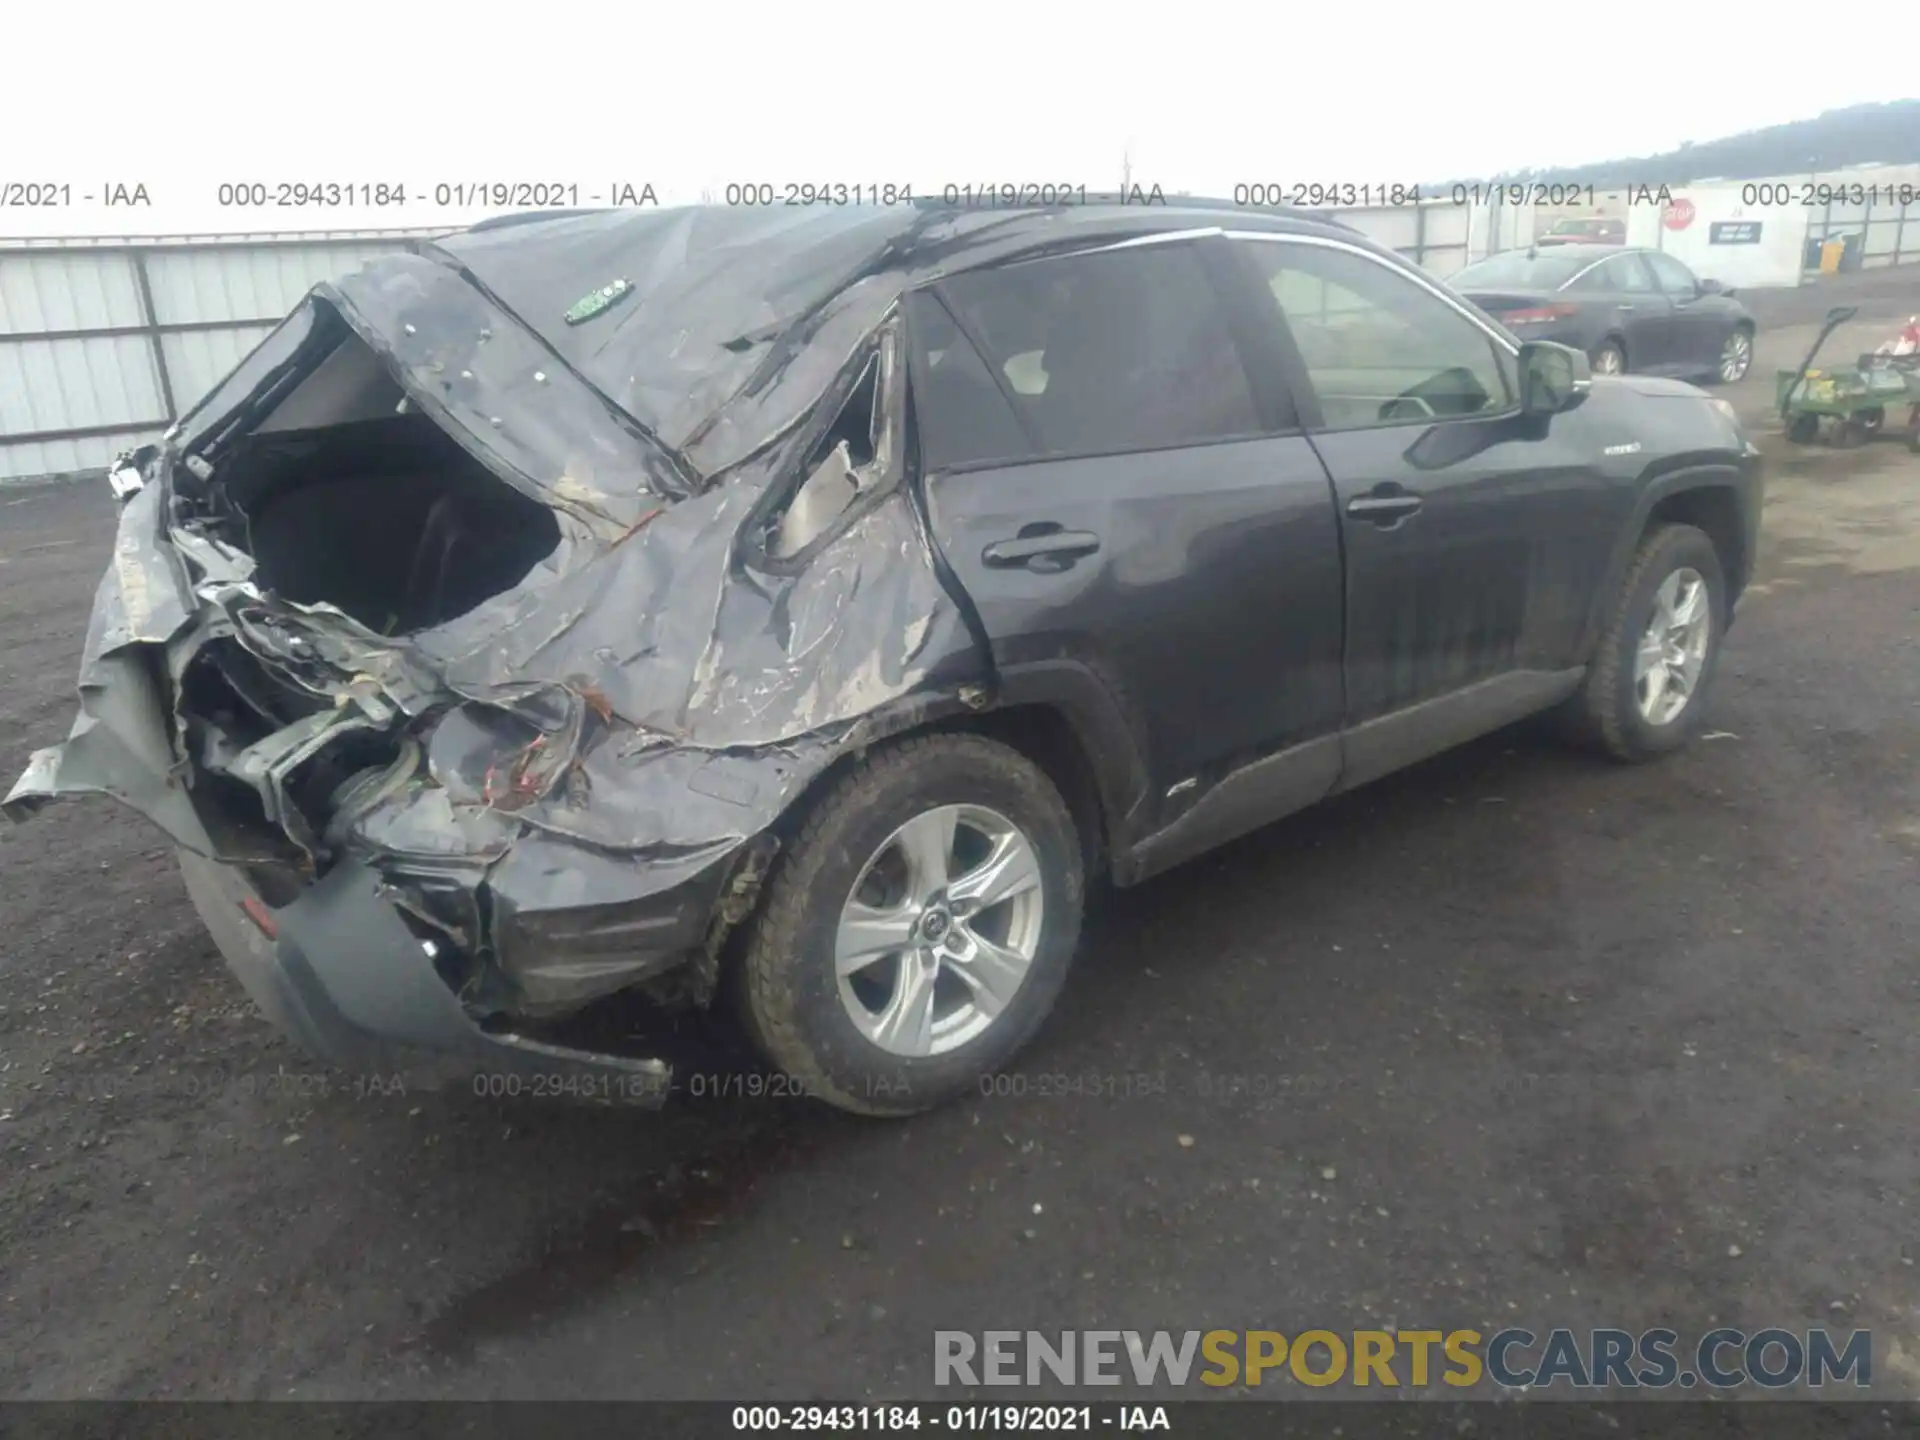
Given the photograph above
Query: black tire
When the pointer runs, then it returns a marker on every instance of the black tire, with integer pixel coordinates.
(1716, 375)
(1870, 421)
(1600, 363)
(1606, 710)
(1849, 433)
(1803, 429)
(788, 992)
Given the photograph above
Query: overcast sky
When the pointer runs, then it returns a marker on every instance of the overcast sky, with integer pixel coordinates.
(184, 95)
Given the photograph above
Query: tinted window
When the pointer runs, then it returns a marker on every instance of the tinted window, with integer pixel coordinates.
(1379, 347)
(1674, 277)
(1120, 350)
(1517, 270)
(961, 415)
(1623, 272)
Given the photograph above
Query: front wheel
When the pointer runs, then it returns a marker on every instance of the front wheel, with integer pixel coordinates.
(1648, 682)
(919, 928)
(1736, 356)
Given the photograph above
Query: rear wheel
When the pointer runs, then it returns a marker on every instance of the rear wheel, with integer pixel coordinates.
(1803, 429)
(919, 929)
(1610, 359)
(1736, 356)
(1647, 685)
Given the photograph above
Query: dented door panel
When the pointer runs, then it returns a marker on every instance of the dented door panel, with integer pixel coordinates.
(1212, 605)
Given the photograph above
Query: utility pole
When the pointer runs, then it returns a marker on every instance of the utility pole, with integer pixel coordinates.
(1126, 168)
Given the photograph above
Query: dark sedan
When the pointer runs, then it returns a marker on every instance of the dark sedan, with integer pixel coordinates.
(1632, 309)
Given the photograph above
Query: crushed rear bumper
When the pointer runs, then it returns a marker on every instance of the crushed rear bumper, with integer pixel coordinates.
(351, 983)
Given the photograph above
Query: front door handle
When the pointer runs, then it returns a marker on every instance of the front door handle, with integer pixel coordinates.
(1384, 506)
(1055, 548)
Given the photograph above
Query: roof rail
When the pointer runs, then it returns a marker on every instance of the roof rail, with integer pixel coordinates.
(1133, 199)
(528, 217)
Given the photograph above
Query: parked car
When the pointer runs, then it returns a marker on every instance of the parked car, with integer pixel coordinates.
(796, 610)
(1629, 310)
(1584, 232)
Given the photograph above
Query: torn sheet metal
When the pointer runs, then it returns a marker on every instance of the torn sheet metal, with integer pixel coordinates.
(573, 782)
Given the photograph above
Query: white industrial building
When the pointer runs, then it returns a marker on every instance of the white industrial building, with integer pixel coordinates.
(103, 343)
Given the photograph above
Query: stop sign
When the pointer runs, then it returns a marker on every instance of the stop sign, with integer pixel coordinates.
(1679, 214)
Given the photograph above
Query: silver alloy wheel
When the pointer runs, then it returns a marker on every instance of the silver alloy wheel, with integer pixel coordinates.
(1609, 361)
(1736, 356)
(940, 930)
(1673, 650)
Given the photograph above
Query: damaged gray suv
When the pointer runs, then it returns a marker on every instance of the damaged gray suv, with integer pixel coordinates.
(799, 608)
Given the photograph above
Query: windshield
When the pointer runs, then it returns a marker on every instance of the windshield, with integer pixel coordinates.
(1576, 227)
(1518, 270)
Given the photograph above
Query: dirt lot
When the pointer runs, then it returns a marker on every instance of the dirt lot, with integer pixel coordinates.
(1517, 1037)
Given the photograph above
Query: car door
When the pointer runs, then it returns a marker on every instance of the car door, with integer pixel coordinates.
(1474, 535)
(1696, 328)
(1634, 308)
(1123, 511)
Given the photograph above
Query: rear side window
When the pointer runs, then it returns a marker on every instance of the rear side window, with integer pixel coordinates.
(962, 416)
(1623, 272)
(1674, 277)
(1114, 351)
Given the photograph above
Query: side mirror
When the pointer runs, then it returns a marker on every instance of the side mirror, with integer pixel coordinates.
(1552, 377)
(1713, 287)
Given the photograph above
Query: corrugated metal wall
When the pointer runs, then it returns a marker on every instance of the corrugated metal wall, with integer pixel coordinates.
(1435, 234)
(102, 346)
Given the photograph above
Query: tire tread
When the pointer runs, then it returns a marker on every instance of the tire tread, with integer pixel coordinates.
(770, 1004)
(1598, 716)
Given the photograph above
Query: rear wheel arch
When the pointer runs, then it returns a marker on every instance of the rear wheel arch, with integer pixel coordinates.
(1047, 736)
(1054, 715)
(789, 984)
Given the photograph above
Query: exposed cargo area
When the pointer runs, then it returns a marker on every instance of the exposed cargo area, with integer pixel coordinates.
(346, 496)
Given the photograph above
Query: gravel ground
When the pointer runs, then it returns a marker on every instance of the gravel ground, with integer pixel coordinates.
(1515, 1037)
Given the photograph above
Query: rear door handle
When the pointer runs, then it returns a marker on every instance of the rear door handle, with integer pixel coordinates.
(1061, 547)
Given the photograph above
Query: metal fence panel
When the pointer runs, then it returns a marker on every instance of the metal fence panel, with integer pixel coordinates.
(66, 290)
(258, 283)
(198, 360)
(76, 384)
(84, 454)
(103, 345)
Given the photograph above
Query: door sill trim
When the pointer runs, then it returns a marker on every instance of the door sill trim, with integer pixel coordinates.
(1242, 801)
(1405, 737)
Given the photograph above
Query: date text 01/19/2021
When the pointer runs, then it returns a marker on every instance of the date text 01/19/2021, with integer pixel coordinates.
(955, 1419)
